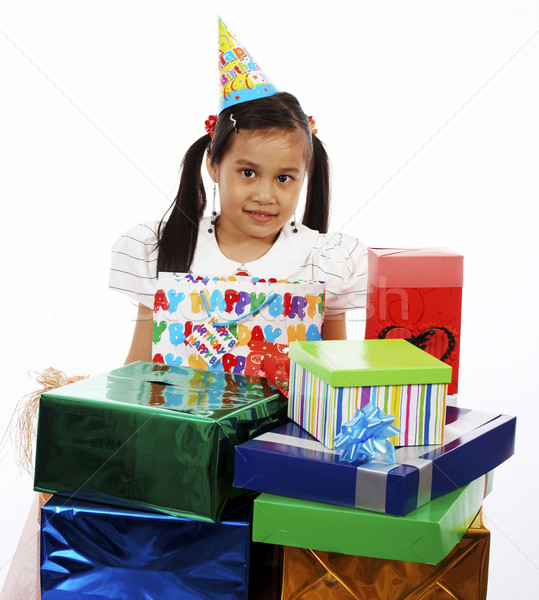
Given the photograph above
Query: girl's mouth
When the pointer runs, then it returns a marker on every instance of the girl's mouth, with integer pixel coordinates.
(260, 216)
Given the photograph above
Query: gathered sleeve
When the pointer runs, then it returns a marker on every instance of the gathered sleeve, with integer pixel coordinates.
(134, 263)
(341, 261)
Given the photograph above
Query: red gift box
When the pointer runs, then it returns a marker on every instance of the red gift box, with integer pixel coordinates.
(416, 294)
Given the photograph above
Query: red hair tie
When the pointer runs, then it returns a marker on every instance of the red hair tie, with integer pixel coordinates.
(209, 124)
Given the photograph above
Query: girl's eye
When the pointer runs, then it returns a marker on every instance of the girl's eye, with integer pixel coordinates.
(248, 173)
(283, 178)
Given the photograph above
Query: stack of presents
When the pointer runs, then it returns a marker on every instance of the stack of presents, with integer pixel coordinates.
(356, 479)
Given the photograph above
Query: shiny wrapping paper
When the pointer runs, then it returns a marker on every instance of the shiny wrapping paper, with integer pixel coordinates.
(288, 461)
(157, 435)
(416, 294)
(93, 551)
(426, 535)
(462, 575)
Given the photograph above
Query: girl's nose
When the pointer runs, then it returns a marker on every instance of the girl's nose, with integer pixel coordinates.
(264, 193)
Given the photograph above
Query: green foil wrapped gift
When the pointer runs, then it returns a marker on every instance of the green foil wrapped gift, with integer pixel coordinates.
(425, 535)
(158, 435)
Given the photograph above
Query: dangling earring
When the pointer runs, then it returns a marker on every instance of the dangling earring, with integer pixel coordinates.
(293, 224)
(213, 211)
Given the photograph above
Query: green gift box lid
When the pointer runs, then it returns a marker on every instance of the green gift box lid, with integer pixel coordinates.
(425, 535)
(352, 363)
(157, 435)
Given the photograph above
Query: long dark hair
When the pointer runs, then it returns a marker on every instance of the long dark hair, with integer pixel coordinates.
(178, 233)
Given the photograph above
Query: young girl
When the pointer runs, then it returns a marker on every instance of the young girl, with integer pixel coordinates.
(258, 157)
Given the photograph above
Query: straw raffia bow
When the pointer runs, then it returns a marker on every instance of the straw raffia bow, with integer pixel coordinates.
(364, 437)
(22, 428)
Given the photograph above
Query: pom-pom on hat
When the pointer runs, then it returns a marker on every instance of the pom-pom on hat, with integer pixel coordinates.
(241, 78)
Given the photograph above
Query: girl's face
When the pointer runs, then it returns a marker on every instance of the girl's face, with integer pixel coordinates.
(260, 179)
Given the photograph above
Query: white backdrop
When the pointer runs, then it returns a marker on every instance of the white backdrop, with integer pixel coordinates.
(429, 112)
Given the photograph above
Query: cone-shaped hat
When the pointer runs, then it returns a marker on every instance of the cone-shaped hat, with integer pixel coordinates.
(241, 78)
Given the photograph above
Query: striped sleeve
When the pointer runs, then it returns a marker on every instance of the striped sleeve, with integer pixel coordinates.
(134, 263)
(341, 261)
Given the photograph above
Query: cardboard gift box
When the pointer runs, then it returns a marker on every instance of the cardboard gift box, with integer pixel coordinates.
(425, 535)
(462, 574)
(94, 551)
(416, 294)
(329, 380)
(288, 461)
(157, 435)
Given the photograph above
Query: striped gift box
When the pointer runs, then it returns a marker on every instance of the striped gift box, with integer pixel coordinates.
(329, 380)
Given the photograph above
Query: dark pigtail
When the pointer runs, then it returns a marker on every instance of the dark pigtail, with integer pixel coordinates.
(177, 236)
(316, 213)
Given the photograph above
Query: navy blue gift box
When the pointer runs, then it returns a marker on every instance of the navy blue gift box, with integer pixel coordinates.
(290, 462)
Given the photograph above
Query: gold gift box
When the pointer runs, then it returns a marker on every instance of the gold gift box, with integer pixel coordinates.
(462, 575)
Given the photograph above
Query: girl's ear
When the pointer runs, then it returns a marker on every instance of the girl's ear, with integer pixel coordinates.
(211, 168)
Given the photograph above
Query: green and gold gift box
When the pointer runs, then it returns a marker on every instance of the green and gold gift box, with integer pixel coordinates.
(462, 574)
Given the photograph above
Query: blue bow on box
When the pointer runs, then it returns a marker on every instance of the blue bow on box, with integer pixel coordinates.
(364, 437)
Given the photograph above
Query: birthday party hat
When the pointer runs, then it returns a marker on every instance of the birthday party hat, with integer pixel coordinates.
(240, 76)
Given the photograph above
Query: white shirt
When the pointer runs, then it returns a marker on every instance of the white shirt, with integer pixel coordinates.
(338, 259)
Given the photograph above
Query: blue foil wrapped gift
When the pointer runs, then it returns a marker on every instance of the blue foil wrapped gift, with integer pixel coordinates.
(290, 462)
(90, 551)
